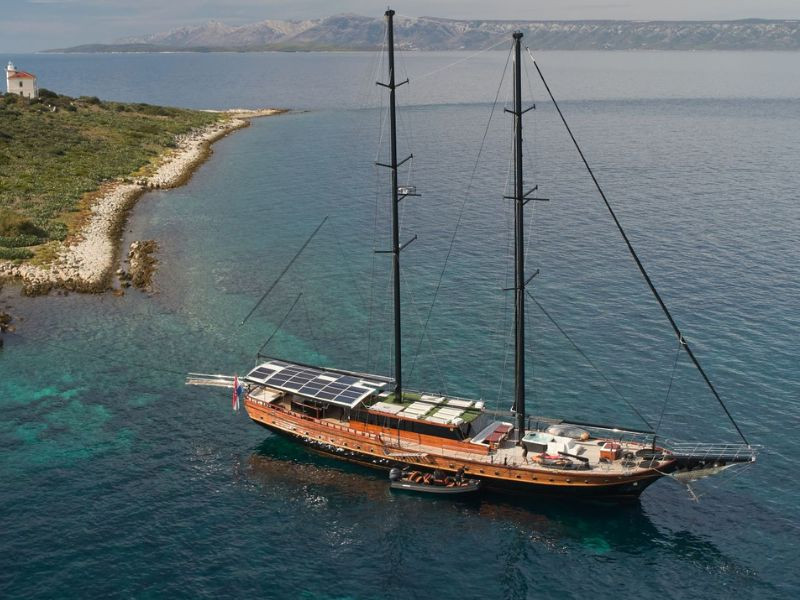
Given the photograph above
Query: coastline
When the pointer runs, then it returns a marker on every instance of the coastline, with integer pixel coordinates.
(86, 261)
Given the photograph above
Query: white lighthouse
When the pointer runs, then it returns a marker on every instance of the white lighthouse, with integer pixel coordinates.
(20, 82)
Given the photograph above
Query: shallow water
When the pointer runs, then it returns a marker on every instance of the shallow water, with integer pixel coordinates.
(119, 480)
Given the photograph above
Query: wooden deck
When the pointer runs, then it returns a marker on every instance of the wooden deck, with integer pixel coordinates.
(504, 462)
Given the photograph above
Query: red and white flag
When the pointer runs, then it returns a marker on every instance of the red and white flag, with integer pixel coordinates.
(235, 392)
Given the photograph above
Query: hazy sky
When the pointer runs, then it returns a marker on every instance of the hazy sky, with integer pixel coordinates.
(30, 25)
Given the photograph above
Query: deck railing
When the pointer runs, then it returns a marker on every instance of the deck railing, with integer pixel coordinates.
(714, 451)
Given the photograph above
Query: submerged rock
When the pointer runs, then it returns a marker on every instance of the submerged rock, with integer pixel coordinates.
(142, 263)
(5, 325)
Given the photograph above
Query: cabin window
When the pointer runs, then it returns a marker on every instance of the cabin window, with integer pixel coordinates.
(20, 84)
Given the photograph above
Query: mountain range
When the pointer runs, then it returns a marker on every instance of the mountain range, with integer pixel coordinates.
(355, 32)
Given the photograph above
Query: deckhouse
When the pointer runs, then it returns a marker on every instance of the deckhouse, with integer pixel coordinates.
(21, 82)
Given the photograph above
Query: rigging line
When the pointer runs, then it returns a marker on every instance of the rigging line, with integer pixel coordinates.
(461, 213)
(383, 115)
(529, 232)
(410, 293)
(669, 388)
(348, 267)
(501, 324)
(530, 358)
(405, 120)
(314, 340)
(368, 83)
(587, 359)
(503, 321)
(510, 330)
(636, 259)
(379, 61)
(529, 155)
(465, 59)
(372, 275)
(507, 324)
(278, 327)
(285, 270)
(387, 305)
(383, 118)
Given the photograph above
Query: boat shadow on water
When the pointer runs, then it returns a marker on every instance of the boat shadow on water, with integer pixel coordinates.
(283, 468)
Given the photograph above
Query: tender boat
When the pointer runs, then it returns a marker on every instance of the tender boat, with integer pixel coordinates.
(432, 483)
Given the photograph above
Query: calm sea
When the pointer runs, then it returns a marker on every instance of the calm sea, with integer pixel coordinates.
(118, 480)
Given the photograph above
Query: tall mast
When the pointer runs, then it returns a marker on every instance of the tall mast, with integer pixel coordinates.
(398, 372)
(519, 249)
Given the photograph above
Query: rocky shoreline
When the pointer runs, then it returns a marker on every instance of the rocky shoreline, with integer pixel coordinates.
(86, 263)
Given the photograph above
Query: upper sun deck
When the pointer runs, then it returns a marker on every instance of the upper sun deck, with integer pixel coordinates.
(441, 410)
(358, 390)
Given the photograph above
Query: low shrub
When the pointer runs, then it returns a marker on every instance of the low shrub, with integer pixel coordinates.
(15, 253)
(56, 230)
(20, 241)
(13, 224)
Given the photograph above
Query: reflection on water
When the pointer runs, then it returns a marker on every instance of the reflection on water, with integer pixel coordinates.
(284, 469)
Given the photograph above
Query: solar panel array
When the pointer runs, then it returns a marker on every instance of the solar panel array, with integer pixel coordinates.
(345, 390)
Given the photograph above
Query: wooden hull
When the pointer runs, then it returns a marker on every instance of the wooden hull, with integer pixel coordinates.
(359, 445)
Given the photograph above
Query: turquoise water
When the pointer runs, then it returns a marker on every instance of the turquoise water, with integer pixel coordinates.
(119, 480)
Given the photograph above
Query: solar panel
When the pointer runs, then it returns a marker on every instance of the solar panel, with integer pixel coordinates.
(345, 390)
(312, 387)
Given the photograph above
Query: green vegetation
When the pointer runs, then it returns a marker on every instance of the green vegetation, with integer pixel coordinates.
(56, 150)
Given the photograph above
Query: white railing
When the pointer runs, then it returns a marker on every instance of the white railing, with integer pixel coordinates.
(731, 452)
(211, 380)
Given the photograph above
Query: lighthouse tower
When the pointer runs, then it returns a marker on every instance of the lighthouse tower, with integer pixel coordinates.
(20, 82)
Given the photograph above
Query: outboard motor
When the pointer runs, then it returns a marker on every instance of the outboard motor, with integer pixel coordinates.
(395, 474)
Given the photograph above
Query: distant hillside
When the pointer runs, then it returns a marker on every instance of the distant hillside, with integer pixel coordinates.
(354, 32)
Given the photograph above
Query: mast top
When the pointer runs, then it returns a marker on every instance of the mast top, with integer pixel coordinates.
(389, 12)
(516, 35)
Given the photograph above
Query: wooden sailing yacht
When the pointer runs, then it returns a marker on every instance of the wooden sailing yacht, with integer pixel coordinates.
(373, 420)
